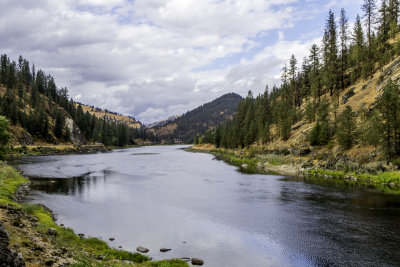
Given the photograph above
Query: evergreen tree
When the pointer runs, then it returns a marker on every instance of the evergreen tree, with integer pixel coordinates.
(358, 48)
(346, 132)
(4, 137)
(330, 53)
(393, 13)
(293, 81)
(369, 7)
(315, 74)
(59, 124)
(383, 34)
(389, 107)
(343, 45)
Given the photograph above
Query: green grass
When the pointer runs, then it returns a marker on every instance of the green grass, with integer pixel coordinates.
(10, 180)
(383, 181)
(86, 250)
(389, 177)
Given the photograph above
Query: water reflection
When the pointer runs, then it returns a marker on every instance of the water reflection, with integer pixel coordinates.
(74, 186)
(199, 207)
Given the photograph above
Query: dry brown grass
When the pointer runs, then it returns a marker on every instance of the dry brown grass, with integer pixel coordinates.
(120, 118)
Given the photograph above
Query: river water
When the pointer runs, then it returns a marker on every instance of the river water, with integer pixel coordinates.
(162, 196)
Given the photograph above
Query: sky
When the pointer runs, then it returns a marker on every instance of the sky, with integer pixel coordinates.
(152, 59)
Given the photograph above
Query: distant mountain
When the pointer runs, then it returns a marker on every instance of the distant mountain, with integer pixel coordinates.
(196, 122)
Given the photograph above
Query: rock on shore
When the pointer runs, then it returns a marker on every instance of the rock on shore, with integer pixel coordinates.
(142, 249)
(8, 257)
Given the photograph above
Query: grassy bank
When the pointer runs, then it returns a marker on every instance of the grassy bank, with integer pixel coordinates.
(388, 182)
(249, 161)
(257, 162)
(28, 226)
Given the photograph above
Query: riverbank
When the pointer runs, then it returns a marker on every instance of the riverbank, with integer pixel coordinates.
(300, 162)
(30, 237)
(17, 151)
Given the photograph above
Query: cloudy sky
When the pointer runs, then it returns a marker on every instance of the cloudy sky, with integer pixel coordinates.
(157, 58)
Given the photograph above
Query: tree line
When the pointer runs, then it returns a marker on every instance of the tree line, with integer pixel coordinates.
(343, 58)
(33, 101)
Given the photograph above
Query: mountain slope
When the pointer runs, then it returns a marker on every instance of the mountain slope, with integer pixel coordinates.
(199, 120)
(40, 113)
(112, 116)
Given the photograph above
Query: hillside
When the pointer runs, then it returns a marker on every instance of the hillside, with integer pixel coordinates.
(111, 116)
(337, 110)
(40, 113)
(196, 122)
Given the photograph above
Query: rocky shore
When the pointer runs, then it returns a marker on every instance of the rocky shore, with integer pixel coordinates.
(56, 150)
(28, 246)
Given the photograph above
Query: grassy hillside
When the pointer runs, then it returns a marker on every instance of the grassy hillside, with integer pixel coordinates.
(40, 113)
(112, 116)
(338, 110)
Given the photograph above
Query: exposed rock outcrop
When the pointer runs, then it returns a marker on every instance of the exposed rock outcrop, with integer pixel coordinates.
(347, 95)
(77, 137)
(8, 257)
(391, 71)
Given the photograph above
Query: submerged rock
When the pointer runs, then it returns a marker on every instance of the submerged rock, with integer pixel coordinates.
(111, 239)
(196, 261)
(185, 259)
(164, 249)
(142, 249)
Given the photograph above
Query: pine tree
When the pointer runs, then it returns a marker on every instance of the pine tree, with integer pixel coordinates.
(293, 81)
(59, 124)
(383, 33)
(343, 45)
(369, 8)
(315, 75)
(346, 132)
(389, 107)
(358, 47)
(330, 51)
(4, 136)
(393, 13)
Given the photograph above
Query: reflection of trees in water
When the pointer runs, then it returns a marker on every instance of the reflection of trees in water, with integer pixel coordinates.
(75, 186)
(336, 194)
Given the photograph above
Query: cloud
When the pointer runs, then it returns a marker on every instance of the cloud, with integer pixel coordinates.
(157, 58)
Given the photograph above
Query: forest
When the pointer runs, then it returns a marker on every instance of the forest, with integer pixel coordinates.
(31, 99)
(310, 90)
(196, 122)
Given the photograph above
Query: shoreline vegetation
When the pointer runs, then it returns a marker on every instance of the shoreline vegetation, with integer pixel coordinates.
(260, 162)
(30, 236)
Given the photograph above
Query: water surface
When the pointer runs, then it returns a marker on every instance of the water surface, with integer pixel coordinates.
(199, 207)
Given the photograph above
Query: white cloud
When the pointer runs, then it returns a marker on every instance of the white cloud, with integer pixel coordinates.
(143, 57)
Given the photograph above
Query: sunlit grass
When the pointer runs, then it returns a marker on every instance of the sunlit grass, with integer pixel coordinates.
(10, 180)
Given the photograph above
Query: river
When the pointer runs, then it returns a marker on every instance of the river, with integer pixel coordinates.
(164, 197)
